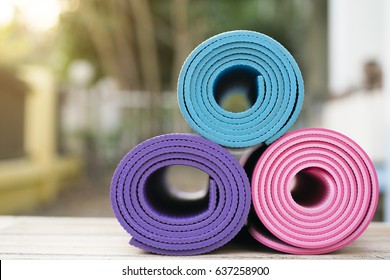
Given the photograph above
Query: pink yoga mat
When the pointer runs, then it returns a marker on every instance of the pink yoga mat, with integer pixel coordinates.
(313, 190)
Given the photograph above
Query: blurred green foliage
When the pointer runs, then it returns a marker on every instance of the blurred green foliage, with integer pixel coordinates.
(284, 20)
(143, 43)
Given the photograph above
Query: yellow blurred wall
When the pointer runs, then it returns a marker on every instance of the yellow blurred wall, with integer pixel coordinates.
(28, 182)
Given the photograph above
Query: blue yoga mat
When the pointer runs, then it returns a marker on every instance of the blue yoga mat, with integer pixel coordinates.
(252, 64)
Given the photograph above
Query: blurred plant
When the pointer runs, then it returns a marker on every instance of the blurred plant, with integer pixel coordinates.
(143, 43)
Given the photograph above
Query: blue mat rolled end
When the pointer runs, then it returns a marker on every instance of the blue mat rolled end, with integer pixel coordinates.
(253, 65)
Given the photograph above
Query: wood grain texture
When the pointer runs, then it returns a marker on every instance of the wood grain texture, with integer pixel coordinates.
(104, 238)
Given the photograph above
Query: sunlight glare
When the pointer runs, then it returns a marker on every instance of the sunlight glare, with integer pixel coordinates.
(6, 12)
(38, 15)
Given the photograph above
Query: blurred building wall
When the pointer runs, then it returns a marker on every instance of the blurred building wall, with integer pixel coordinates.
(386, 68)
(359, 36)
(356, 35)
(35, 178)
(12, 102)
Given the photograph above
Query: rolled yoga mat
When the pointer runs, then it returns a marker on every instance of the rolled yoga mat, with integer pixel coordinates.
(313, 191)
(162, 223)
(244, 63)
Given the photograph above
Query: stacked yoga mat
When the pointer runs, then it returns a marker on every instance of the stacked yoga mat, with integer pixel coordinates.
(251, 62)
(310, 191)
(143, 205)
(313, 191)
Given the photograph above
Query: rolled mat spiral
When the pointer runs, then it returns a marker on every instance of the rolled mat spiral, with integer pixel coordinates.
(313, 191)
(162, 223)
(243, 62)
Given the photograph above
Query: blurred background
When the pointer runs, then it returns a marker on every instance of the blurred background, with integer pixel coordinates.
(84, 81)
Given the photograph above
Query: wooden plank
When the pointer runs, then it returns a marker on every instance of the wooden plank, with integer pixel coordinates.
(104, 238)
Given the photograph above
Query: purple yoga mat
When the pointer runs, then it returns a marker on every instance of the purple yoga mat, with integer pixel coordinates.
(162, 223)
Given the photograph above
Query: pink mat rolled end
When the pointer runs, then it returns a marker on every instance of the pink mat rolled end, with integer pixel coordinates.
(313, 190)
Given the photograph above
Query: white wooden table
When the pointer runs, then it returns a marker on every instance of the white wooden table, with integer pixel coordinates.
(103, 238)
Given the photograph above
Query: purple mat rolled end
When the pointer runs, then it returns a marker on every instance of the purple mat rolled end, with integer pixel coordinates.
(162, 223)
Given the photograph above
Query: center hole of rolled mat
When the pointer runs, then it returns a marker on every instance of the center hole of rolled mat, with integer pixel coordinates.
(309, 188)
(178, 191)
(235, 88)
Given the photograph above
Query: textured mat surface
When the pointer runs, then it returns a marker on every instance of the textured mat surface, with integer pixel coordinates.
(160, 221)
(246, 62)
(313, 191)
